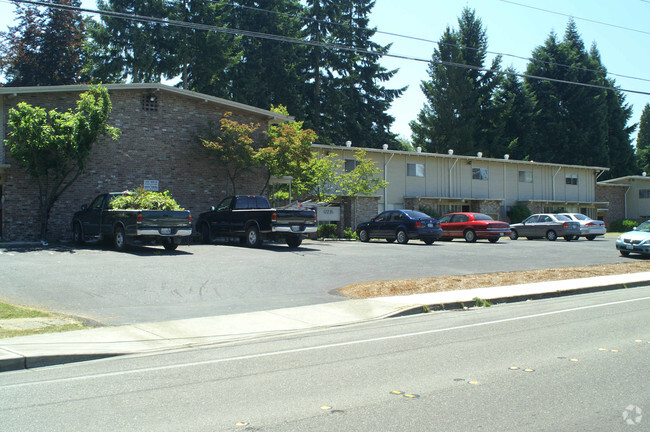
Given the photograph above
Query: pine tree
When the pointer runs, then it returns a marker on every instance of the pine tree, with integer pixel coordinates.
(643, 141)
(45, 48)
(459, 109)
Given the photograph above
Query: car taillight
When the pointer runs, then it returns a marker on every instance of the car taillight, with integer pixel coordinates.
(418, 224)
(565, 225)
(315, 218)
(138, 218)
(591, 224)
(274, 217)
(190, 217)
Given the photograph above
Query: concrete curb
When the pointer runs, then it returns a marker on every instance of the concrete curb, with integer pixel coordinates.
(58, 348)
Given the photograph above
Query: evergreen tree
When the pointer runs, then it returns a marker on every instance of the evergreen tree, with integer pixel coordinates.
(45, 48)
(459, 109)
(643, 141)
(121, 49)
(345, 99)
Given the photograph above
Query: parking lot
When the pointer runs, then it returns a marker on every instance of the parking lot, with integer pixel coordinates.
(149, 284)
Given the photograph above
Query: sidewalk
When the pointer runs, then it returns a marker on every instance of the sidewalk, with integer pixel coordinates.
(58, 348)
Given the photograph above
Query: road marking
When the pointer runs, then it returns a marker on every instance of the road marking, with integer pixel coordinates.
(319, 347)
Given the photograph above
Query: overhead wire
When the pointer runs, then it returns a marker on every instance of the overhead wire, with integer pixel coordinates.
(197, 26)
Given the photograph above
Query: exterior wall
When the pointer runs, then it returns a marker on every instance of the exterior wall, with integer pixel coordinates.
(154, 145)
(448, 183)
(357, 210)
(615, 196)
(635, 196)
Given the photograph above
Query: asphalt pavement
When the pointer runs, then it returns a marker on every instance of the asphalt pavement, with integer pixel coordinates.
(49, 349)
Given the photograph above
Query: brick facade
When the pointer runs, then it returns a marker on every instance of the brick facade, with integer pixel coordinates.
(158, 142)
(615, 196)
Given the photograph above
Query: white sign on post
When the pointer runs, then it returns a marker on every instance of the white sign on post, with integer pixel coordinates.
(328, 214)
(151, 185)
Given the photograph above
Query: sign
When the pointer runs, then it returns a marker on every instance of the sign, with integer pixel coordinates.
(151, 185)
(328, 214)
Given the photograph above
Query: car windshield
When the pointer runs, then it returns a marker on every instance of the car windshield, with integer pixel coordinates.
(416, 214)
(645, 227)
(562, 218)
(484, 217)
(581, 217)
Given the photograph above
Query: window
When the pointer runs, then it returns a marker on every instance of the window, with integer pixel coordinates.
(460, 218)
(350, 164)
(525, 176)
(644, 193)
(572, 179)
(479, 173)
(415, 170)
(150, 102)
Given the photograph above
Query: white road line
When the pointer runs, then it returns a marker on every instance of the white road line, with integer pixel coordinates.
(316, 348)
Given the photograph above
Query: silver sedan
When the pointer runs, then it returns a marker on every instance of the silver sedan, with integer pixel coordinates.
(547, 225)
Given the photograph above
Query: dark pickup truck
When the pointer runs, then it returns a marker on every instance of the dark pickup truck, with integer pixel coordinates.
(98, 221)
(251, 219)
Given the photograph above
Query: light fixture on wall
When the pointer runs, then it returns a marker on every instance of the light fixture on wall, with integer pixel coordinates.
(479, 154)
(450, 152)
(506, 156)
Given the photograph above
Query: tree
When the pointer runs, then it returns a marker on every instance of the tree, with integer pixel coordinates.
(53, 147)
(643, 141)
(233, 146)
(363, 179)
(459, 110)
(287, 150)
(45, 47)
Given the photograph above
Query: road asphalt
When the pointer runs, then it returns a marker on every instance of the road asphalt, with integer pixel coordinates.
(67, 347)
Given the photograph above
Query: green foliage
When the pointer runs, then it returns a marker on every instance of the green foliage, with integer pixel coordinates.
(8, 311)
(479, 302)
(623, 225)
(429, 211)
(328, 231)
(350, 234)
(518, 213)
(234, 147)
(363, 179)
(145, 200)
(643, 141)
(53, 147)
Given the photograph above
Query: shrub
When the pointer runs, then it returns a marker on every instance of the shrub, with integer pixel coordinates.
(350, 234)
(145, 200)
(429, 211)
(623, 225)
(328, 231)
(518, 213)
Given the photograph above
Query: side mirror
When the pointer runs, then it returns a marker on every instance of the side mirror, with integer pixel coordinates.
(212, 208)
(634, 229)
(84, 207)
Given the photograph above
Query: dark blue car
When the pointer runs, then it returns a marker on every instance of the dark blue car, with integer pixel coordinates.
(401, 225)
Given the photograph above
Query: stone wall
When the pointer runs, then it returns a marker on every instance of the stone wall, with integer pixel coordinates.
(158, 142)
(615, 196)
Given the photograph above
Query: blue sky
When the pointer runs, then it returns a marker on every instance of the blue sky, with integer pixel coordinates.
(511, 29)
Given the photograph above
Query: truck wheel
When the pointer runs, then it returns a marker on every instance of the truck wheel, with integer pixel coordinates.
(205, 233)
(119, 239)
(294, 241)
(77, 234)
(364, 236)
(253, 238)
(169, 244)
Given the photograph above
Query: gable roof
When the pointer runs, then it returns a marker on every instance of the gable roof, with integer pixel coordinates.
(270, 116)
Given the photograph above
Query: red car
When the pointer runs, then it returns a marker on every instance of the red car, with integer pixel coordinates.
(472, 226)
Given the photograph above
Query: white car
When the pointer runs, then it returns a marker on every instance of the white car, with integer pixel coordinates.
(589, 228)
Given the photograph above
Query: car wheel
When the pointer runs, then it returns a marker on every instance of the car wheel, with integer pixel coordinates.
(364, 236)
(205, 233)
(470, 236)
(624, 253)
(551, 235)
(77, 234)
(514, 235)
(402, 237)
(428, 241)
(591, 237)
(569, 237)
(494, 240)
(119, 239)
(253, 238)
(294, 241)
(169, 244)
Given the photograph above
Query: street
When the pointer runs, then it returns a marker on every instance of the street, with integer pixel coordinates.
(147, 284)
(572, 363)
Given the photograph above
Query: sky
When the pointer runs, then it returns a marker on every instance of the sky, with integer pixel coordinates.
(619, 29)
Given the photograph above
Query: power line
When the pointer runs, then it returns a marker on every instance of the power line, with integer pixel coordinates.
(578, 18)
(279, 38)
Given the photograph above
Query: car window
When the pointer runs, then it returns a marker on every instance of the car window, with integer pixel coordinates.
(261, 203)
(645, 227)
(459, 218)
(581, 217)
(416, 214)
(225, 204)
(532, 219)
(445, 219)
(97, 202)
(381, 217)
(396, 217)
(545, 218)
(562, 218)
(484, 217)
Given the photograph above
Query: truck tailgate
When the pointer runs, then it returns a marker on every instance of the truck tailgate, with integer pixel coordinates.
(165, 218)
(295, 217)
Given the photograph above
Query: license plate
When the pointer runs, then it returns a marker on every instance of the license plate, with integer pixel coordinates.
(502, 234)
(165, 230)
(295, 228)
(630, 247)
(430, 225)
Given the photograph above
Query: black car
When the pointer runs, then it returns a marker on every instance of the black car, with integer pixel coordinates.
(401, 225)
